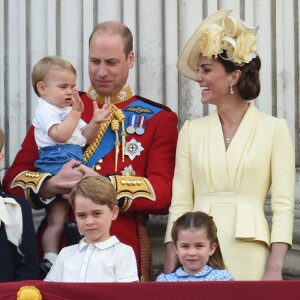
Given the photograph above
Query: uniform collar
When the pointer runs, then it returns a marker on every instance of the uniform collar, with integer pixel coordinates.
(122, 95)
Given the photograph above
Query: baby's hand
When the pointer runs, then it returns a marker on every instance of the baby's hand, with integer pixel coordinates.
(77, 103)
(101, 115)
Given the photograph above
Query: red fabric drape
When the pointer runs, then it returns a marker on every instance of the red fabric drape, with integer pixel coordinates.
(288, 289)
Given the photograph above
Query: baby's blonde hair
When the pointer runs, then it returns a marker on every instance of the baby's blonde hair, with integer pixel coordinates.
(43, 67)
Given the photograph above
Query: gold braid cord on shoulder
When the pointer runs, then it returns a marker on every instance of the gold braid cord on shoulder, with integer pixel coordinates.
(116, 117)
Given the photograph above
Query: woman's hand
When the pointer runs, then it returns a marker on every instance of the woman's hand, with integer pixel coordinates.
(275, 262)
(170, 258)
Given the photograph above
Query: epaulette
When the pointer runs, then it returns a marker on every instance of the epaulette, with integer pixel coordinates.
(154, 103)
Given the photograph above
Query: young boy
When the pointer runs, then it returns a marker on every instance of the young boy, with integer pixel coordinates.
(18, 259)
(60, 134)
(98, 257)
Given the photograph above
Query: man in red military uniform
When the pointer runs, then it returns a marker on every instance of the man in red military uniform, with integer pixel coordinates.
(135, 149)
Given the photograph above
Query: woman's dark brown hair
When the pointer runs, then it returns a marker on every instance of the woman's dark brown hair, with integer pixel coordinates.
(248, 85)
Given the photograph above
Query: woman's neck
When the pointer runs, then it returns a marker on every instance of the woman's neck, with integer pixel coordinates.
(231, 117)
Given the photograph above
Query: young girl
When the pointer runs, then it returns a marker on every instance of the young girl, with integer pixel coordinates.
(194, 236)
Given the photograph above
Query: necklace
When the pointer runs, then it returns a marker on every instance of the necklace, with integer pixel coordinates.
(228, 140)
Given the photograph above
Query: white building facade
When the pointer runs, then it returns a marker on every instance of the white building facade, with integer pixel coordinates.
(32, 29)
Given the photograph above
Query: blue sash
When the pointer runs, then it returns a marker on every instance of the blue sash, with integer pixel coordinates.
(107, 143)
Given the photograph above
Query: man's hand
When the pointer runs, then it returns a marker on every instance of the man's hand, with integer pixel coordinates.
(86, 171)
(63, 181)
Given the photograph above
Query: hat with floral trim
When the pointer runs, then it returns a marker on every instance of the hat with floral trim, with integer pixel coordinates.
(223, 33)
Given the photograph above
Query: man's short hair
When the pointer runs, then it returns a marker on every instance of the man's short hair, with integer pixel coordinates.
(117, 28)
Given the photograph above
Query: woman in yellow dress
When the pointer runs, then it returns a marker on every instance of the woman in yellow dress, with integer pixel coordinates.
(227, 162)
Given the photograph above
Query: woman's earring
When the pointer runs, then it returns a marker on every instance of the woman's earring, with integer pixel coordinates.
(231, 89)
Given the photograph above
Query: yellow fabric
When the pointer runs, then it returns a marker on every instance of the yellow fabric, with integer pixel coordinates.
(232, 185)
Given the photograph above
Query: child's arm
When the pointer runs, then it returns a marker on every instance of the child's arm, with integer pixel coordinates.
(63, 131)
(90, 131)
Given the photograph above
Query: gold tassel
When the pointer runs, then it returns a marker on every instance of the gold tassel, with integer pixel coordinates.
(102, 130)
(115, 127)
(114, 119)
(121, 118)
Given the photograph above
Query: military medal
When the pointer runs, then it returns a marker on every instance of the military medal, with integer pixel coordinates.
(131, 129)
(128, 171)
(141, 125)
(133, 148)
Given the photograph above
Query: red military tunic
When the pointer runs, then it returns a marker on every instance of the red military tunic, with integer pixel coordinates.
(152, 162)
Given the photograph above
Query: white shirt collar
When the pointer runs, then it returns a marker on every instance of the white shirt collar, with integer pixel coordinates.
(101, 245)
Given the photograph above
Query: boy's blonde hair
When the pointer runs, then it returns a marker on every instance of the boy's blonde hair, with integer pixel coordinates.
(2, 139)
(43, 67)
(98, 188)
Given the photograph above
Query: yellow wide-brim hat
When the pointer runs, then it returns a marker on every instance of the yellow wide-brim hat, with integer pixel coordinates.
(188, 59)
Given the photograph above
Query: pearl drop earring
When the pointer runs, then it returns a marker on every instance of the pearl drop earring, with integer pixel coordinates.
(231, 89)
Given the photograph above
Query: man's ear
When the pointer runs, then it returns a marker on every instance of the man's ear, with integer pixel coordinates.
(130, 59)
(41, 87)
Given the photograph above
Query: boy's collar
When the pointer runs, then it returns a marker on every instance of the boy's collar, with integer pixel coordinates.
(101, 245)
